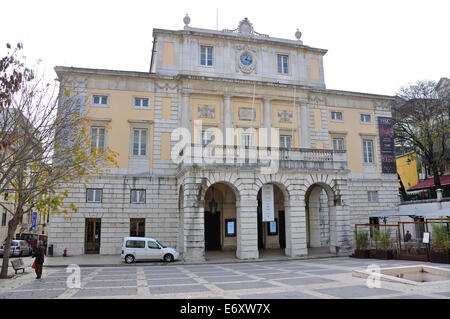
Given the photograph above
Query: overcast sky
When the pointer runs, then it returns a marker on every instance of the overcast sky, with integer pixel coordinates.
(373, 46)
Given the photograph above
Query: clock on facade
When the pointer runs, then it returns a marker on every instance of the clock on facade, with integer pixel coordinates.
(246, 59)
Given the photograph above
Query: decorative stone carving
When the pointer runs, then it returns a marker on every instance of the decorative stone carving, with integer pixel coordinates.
(316, 99)
(382, 106)
(246, 114)
(165, 86)
(245, 49)
(284, 116)
(206, 111)
(245, 28)
(186, 20)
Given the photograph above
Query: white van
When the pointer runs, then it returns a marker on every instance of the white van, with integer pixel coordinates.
(141, 248)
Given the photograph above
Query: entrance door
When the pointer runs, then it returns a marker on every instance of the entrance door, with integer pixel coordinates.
(92, 240)
(281, 229)
(212, 231)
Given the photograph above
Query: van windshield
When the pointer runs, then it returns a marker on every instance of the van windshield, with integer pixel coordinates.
(163, 246)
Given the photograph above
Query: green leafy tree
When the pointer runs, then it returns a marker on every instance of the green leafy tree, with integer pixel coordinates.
(44, 145)
(421, 122)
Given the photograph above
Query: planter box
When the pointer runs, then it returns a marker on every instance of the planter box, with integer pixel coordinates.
(384, 254)
(372, 253)
(440, 256)
(361, 253)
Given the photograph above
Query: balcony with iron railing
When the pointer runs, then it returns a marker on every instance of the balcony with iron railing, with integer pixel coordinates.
(276, 158)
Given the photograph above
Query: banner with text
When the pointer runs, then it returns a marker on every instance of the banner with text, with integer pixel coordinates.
(387, 149)
(267, 203)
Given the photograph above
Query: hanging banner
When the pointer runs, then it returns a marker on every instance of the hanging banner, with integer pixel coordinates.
(267, 203)
(387, 149)
(34, 220)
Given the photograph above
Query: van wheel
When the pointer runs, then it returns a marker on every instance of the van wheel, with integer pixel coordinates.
(168, 258)
(129, 259)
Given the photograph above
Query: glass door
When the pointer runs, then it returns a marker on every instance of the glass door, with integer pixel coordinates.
(92, 241)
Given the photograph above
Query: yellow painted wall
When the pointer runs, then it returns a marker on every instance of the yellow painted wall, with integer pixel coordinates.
(165, 146)
(247, 124)
(120, 110)
(317, 118)
(408, 172)
(166, 108)
(314, 69)
(168, 53)
(353, 140)
(215, 122)
(286, 126)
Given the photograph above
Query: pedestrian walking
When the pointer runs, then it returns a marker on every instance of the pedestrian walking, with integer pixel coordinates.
(39, 260)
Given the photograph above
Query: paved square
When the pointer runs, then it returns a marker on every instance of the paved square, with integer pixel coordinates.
(297, 279)
(355, 292)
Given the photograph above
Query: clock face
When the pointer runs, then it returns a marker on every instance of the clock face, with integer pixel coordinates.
(246, 59)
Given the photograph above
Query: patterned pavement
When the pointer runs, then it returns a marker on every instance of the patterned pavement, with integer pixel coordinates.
(328, 278)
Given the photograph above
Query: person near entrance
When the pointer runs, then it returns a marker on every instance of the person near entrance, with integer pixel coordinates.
(407, 236)
(39, 261)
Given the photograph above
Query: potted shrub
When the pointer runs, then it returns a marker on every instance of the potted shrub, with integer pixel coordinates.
(440, 244)
(362, 241)
(382, 240)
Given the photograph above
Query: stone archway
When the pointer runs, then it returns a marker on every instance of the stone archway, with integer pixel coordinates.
(220, 218)
(272, 235)
(320, 213)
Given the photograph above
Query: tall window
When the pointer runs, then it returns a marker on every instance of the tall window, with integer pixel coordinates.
(372, 196)
(207, 137)
(368, 151)
(94, 195)
(138, 196)
(97, 139)
(206, 55)
(338, 144)
(282, 63)
(139, 142)
(285, 141)
(246, 140)
(137, 227)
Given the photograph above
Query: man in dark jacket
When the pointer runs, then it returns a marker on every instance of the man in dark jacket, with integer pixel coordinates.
(40, 255)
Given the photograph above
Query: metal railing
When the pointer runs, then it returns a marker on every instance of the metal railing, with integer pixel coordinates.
(285, 158)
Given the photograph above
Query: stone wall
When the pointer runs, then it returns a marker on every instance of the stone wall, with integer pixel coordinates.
(160, 212)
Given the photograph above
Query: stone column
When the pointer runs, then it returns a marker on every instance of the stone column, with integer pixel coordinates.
(194, 223)
(228, 116)
(267, 118)
(186, 111)
(305, 141)
(247, 227)
(295, 228)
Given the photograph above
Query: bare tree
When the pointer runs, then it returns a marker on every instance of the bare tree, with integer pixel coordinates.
(44, 145)
(421, 122)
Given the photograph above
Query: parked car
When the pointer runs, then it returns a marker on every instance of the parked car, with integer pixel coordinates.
(32, 239)
(141, 248)
(18, 248)
(2, 249)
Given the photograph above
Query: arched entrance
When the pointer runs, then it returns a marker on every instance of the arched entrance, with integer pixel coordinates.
(220, 218)
(272, 234)
(319, 219)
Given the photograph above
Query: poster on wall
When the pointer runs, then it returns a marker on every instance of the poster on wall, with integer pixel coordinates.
(387, 149)
(267, 203)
